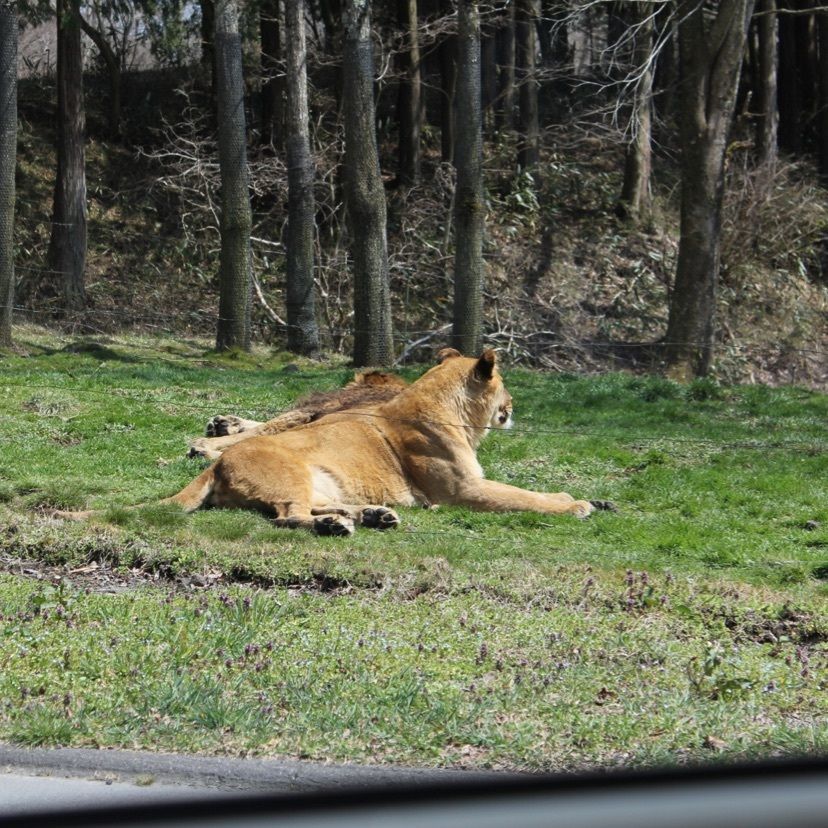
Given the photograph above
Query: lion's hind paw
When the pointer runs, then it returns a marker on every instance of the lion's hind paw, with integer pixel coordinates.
(338, 526)
(378, 517)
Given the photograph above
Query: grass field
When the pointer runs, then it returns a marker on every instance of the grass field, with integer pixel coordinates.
(691, 624)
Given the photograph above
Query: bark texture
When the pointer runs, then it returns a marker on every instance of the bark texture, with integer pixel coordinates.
(635, 192)
(409, 101)
(525, 77)
(768, 55)
(469, 207)
(303, 334)
(505, 47)
(448, 84)
(822, 24)
(113, 71)
(235, 273)
(8, 155)
(710, 56)
(365, 194)
(273, 84)
(67, 246)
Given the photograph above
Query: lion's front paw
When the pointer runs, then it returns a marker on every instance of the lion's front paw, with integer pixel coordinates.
(580, 509)
(337, 526)
(223, 425)
(378, 517)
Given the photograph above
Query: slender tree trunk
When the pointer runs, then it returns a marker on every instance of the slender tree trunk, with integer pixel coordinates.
(505, 109)
(469, 208)
(710, 63)
(330, 12)
(790, 83)
(807, 40)
(635, 193)
(525, 76)
(488, 74)
(272, 82)
(767, 55)
(545, 34)
(665, 81)
(409, 102)
(448, 83)
(67, 246)
(8, 157)
(365, 194)
(235, 274)
(303, 334)
(113, 70)
(822, 23)
(208, 29)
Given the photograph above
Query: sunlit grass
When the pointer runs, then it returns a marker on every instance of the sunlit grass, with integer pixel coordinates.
(695, 616)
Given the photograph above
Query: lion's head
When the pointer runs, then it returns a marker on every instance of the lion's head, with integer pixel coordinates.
(474, 388)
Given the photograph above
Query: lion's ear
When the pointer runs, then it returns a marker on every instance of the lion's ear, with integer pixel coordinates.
(486, 364)
(447, 353)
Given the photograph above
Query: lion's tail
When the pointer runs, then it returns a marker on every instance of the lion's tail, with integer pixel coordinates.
(190, 498)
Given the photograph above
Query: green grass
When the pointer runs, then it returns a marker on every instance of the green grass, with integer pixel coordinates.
(694, 622)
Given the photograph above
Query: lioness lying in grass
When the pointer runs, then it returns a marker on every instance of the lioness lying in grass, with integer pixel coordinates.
(347, 468)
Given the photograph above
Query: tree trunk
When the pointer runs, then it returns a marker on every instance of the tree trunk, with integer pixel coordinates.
(488, 74)
(208, 29)
(113, 69)
(635, 192)
(448, 83)
(67, 246)
(525, 76)
(549, 35)
(272, 82)
(365, 194)
(409, 101)
(469, 207)
(505, 109)
(790, 84)
(235, 274)
(768, 122)
(303, 335)
(710, 63)
(822, 126)
(665, 79)
(8, 156)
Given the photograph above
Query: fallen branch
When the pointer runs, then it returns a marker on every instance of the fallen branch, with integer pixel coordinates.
(421, 341)
(268, 310)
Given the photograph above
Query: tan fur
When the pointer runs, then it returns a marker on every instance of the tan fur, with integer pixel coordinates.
(418, 448)
(366, 389)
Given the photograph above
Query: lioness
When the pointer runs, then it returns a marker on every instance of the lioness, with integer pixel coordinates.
(343, 470)
(366, 388)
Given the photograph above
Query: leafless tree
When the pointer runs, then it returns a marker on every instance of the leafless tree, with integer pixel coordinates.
(711, 50)
(67, 246)
(235, 268)
(469, 207)
(303, 334)
(8, 158)
(365, 193)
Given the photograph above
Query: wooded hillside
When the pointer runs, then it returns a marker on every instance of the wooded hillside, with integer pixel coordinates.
(580, 184)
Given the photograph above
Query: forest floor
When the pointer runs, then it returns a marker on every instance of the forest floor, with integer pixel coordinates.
(691, 624)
